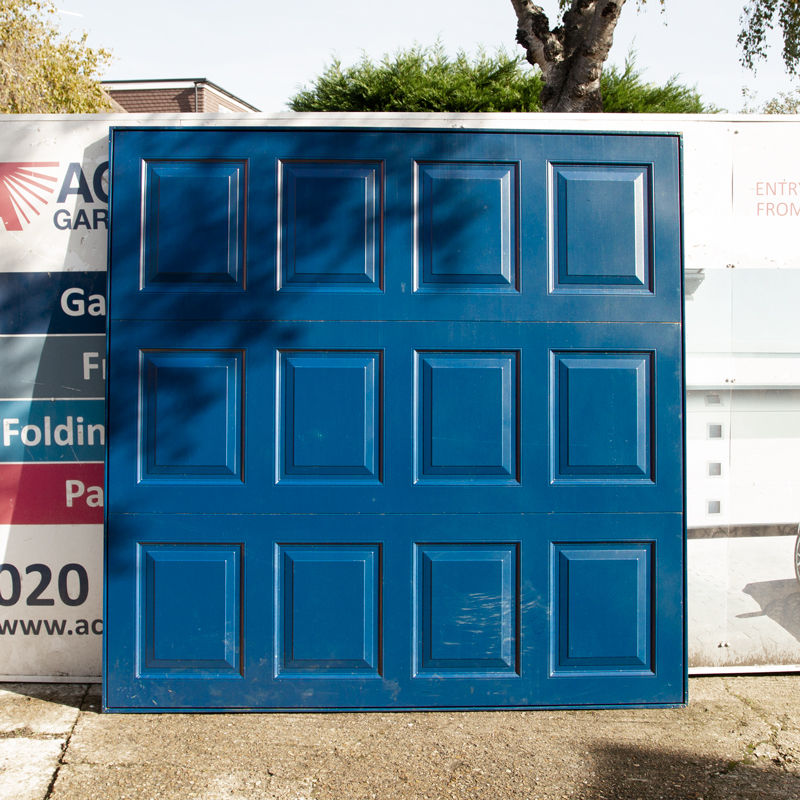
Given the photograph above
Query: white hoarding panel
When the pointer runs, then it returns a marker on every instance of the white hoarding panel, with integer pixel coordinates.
(741, 228)
(51, 600)
(54, 195)
(766, 195)
(53, 245)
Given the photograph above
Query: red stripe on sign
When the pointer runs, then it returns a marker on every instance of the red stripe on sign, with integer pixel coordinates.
(51, 494)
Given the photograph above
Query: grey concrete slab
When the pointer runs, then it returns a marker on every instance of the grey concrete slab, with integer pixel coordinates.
(738, 738)
(27, 767)
(40, 708)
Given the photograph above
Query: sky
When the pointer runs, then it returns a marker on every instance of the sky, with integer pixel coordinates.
(263, 52)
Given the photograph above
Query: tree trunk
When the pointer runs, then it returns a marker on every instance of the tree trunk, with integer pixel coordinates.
(570, 56)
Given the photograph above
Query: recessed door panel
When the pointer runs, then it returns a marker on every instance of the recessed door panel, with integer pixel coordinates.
(193, 226)
(466, 421)
(190, 415)
(466, 222)
(601, 228)
(329, 424)
(189, 617)
(602, 598)
(467, 607)
(330, 226)
(603, 415)
(328, 618)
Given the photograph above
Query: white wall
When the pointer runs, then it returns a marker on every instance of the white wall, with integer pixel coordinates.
(742, 225)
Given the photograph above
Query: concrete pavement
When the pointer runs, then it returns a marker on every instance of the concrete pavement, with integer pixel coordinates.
(738, 738)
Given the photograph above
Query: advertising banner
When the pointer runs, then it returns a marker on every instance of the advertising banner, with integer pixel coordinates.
(54, 194)
(742, 281)
(53, 244)
(52, 597)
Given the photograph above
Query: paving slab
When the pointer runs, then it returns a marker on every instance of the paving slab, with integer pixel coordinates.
(36, 721)
(40, 708)
(739, 738)
(28, 767)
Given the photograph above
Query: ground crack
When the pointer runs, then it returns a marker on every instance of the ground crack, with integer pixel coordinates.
(27, 733)
(65, 746)
(755, 708)
(783, 757)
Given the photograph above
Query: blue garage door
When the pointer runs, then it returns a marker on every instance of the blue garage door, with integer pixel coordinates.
(395, 420)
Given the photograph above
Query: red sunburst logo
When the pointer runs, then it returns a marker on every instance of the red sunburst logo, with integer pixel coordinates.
(22, 189)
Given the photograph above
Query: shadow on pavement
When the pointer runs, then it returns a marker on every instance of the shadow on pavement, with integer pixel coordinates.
(779, 600)
(630, 773)
(64, 694)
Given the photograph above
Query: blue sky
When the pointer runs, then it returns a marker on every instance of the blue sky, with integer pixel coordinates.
(263, 51)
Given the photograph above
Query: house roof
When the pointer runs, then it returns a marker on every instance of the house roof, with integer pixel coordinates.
(161, 84)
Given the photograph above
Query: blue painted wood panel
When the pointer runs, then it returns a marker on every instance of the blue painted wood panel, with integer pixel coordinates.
(602, 603)
(193, 227)
(603, 416)
(189, 614)
(402, 486)
(602, 229)
(398, 681)
(329, 424)
(467, 607)
(191, 415)
(466, 421)
(327, 602)
(330, 226)
(459, 206)
(395, 420)
(392, 214)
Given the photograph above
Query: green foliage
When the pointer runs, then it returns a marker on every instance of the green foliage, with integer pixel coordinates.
(625, 92)
(757, 19)
(425, 79)
(782, 103)
(43, 72)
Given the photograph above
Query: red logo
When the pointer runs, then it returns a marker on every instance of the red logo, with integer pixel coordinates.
(22, 188)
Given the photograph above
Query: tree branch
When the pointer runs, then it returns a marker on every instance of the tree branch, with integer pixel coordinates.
(544, 47)
(571, 57)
